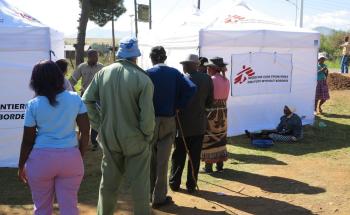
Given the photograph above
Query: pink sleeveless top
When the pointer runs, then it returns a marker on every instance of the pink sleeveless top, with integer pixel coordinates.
(221, 87)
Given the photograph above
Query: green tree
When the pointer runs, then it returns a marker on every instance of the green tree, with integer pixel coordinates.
(331, 43)
(98, 11)
(104, 11)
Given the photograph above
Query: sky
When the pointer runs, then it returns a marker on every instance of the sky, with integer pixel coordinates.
(63, 15)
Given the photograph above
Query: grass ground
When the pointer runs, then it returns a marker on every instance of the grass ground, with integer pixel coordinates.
(311, 177)
(334, 64)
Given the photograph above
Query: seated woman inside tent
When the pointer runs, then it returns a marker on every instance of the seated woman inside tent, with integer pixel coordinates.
(288, 130)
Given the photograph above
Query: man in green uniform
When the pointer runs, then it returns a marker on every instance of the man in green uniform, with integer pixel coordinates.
(125, 121)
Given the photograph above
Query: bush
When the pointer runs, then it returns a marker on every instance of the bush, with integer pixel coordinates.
(101, 48)
(331, 44)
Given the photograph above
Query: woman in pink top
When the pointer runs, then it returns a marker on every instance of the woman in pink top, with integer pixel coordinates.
(214, 143)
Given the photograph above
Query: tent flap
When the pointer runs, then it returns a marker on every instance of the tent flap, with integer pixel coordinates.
(24, 41)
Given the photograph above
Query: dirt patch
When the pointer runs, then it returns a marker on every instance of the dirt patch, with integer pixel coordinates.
(338, 81)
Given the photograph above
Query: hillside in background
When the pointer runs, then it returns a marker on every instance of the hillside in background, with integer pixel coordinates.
(325, 30)
(90, 41)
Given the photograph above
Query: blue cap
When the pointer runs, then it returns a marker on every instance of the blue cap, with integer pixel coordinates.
(128, 48)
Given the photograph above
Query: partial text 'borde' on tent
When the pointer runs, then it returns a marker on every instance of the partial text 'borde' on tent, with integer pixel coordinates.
(24, 41)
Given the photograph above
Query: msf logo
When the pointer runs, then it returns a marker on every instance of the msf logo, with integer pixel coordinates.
(243, 75)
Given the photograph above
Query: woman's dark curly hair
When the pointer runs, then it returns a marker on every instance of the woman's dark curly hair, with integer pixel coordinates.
(63, 65)
(47, 80)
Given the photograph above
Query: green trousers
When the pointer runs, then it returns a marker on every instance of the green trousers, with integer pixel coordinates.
(136, 170)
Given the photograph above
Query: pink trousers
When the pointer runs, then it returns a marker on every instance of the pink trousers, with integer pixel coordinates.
(53, 172)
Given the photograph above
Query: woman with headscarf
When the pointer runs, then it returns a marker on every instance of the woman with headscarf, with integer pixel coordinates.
(214, 143)
(288, 130)
(322, 91)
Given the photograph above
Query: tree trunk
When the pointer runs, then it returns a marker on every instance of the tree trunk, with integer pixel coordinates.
(113, 40)
(83, 20)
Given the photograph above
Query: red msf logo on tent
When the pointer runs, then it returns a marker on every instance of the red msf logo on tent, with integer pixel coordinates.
(243, 75)
(26, 16)
(233, 19)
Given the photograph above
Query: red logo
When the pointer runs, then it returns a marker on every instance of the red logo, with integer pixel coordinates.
(233, 19)
(26, 16)
(243, 75)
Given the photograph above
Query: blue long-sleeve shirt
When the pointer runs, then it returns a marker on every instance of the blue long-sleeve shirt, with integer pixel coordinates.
(172, 90)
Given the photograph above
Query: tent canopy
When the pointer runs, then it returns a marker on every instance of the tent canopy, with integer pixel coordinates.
(235, 28)
(24, 41)
(13, 17)
(236, 24)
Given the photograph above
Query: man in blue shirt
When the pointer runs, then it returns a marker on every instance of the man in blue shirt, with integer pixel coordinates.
(172, 92)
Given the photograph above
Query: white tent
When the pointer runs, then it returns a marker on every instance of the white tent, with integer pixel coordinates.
(232, 31)
(24, 41)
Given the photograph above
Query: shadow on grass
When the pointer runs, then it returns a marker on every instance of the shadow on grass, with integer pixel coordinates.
(13, 192)
(253, 159)
(273, 184)
(175, 209)
(255, 205)
(249, 204)
(316, 139)
(336, 116)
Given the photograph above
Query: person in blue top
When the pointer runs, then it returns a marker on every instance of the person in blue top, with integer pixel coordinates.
(51, 154)
(172, 92)
(322, 91)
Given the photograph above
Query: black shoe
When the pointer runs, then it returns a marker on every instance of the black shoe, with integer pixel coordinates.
(219, 169)
(168, 200)
(220, 166)
(174, 188)
(191, 190)
(205, 170)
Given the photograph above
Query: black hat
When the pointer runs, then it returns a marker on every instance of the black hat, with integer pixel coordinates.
(158, 51)
(202, 61)
(216, 61)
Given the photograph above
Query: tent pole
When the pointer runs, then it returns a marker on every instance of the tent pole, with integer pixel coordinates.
(136, 29)
(296, 13)
(301, 12)
(113, 39)
(150, 14)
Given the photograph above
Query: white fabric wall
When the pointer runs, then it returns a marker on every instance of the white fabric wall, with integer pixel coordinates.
(15, 72)
(174, 56)
(57, 44)
(178, 43)
(263, 111)
(20, 50)
(24, 39)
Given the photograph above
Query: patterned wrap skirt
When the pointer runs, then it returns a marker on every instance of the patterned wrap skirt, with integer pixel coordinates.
(215, 139)
(322, 92)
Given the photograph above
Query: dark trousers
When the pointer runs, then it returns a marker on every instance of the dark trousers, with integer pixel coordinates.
(209, 166)
(93, 137)
(178, 159)
(344, 64)
(93, 133)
